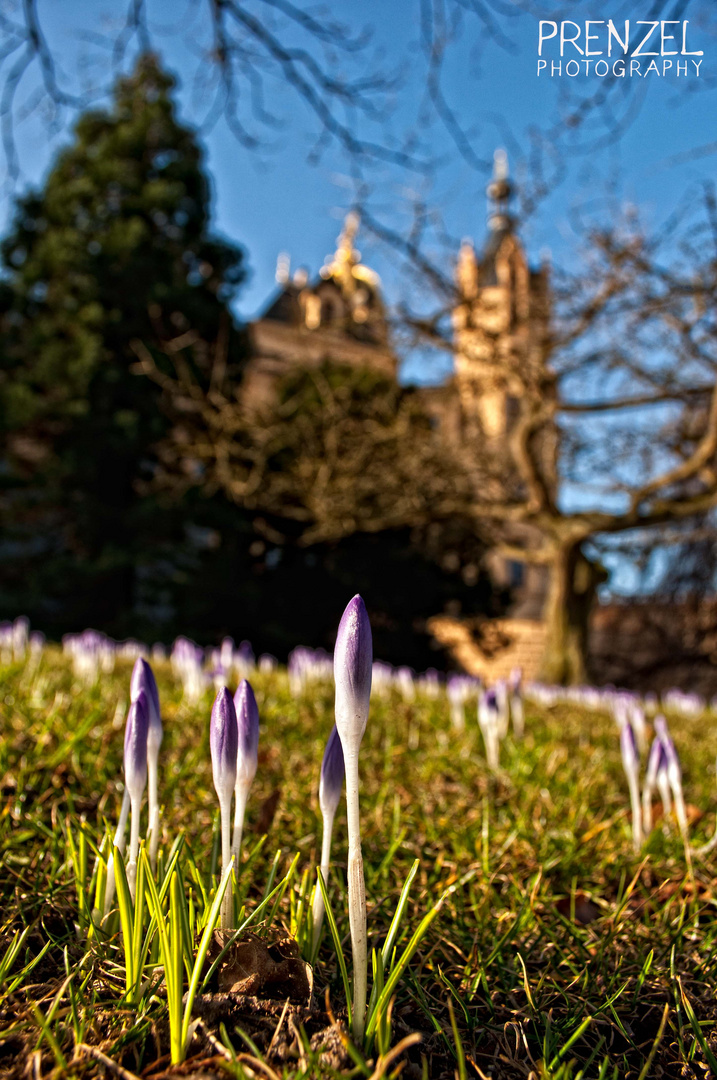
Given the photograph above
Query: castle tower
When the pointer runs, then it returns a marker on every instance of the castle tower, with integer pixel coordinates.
(500, 323)
(338, 316)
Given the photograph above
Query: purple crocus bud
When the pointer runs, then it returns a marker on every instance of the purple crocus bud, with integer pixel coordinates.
(224, 742)
(135, 746)
(353, 658)
(353, 661)
(332, 775)
(330, 787)
(143, 679)
(247, 731)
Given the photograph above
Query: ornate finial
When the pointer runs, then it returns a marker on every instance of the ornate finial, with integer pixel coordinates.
(499, 192)
(344, 266)
(283, 268)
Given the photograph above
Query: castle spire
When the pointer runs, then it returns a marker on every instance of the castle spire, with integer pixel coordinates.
(499, 191)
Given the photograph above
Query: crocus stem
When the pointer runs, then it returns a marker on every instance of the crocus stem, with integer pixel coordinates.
(227, 910)
(636, 812)
(241, 794)
(153, 830)
(357, 896)
(647, 810)
(318, 910)
(133, 845)
(119, 844)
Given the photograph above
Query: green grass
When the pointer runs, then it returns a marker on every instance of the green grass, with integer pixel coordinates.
(506, 981)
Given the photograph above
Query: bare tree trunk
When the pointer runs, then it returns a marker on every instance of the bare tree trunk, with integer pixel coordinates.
(573, 583)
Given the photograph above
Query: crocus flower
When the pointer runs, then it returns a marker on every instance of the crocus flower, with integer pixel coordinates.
(143, 680)
(330, 786)
(352, 673)
(489, 720)
(247, 751)
(517, 712)
(223, 742)
(501, 699)
(135, 774)
(631, 765)
(656, 763)
(673, 772)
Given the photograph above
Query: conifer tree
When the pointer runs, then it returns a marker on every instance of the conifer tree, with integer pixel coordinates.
(114, 250)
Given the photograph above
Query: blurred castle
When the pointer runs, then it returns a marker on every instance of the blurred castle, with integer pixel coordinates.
(500, 326)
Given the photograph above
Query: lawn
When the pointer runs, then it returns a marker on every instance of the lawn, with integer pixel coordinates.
(555, 952)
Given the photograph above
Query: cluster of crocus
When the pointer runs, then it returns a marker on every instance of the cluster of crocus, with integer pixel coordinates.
(187, 661)
(689, 705)
(611, 699)
(306, 667)
(429, 683)
(91, 653)
(234, 745)
(142, 740)
(14, 639)
(663, 773)
(497, 706)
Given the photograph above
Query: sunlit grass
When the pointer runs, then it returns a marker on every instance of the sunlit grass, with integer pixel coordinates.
(507, 980)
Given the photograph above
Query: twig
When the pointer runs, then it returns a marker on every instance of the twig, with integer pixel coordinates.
(82, 1049)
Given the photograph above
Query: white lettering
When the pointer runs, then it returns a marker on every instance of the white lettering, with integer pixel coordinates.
(604, 64)
(667, 37)
(545, 37)
(679, 65)
(612, 33)
(592, 37)
(697, 66)
(621, 72)
(572, 74)
(559, 65)
(653, 26)
(699, 52)
(635, 67)
(569, 40)
(541, 65)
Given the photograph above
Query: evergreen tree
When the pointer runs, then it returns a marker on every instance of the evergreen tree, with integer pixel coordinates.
(114, 251)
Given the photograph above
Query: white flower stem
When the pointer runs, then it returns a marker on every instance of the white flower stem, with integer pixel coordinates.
(518, 718)
(241, 794)
(119, 844)
(458, 716)
(647, 809)
(153, 830)
(227, 910)
(636, 811)
(357, 896)
(318, 909)
(133, 844)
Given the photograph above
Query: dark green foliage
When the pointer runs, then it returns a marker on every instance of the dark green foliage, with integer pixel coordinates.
(114, 252)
